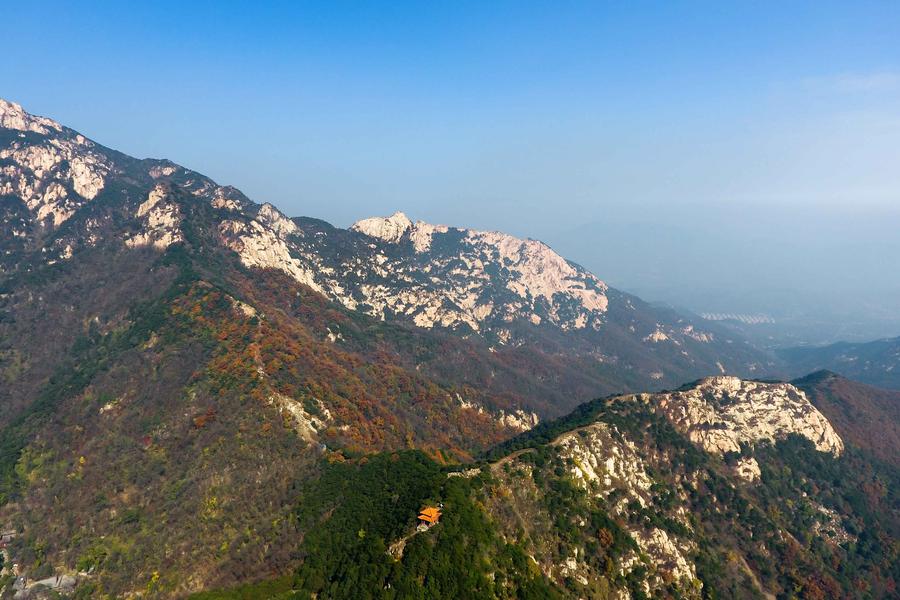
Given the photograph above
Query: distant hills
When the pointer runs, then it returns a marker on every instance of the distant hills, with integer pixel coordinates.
(876, 363)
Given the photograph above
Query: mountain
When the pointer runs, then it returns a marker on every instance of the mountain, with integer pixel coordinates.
(876, 363)
(724, 488)
(161, 401)
(540, 331)
(518, 298)
(199, 392)
(867, 415)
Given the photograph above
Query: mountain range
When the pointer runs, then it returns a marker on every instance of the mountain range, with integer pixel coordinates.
(201, 392)
(876, 362)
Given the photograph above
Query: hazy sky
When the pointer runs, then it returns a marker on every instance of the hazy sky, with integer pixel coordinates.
(707, 154)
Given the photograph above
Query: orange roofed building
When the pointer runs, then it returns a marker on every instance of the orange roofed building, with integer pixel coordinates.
(430, 515)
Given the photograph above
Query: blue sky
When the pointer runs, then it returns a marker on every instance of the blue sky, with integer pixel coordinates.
(630, 135)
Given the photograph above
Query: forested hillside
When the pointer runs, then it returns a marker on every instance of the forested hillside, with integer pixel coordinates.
(610, 501)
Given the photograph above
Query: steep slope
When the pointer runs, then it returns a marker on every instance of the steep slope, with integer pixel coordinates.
(182, 367)
(531, 281)
(619, 499)
(766, 506)
(876, 363)
(161, 402)
(518, 298)
(622, 502)
(519, 292)
(186, 426)
(866, 415)
(543, 332)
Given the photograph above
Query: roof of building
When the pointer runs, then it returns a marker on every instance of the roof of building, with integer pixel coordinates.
(430, 514)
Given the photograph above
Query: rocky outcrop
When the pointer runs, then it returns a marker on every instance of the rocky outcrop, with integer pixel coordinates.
(464, 286)
(307, 425)
(13, 116)
(747, 469)
(390, 229)
(605, 461)
(258, 246)
(722, 413)
(161, 218)
(517, 420)
(54, 177)
(273, 218)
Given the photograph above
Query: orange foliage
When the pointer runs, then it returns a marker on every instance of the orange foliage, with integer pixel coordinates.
(373, 403)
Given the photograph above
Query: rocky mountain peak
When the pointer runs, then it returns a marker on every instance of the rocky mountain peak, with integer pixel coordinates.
(13, 116)
(533, 271)
(722, 413)
(275, 219)
(389, 229)
(504, 288)
(161, 220)
(53, 176)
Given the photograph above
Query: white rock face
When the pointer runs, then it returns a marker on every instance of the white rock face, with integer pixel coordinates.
(720, 413)
(605, 461)
(258, 246)
(422, 234)
(657, 336)
(748, 469)
(669, 554)
(12, 116)
(160, 172)
(389, 229)
(86, 178)
(426, 305)
(272, 217)
(518, 420)
(452, 289)
(222, 199)
(673, 334)
(162, 221)
(307, 426)
(53, 177)
(832, 529)
(541, 272)
(700, 336)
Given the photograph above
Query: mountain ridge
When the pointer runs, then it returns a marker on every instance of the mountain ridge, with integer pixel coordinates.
(202, 392)
(876, 362)
(619, 500)
(516, 295)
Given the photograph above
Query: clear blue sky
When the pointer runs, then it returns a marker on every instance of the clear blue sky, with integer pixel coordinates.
(656, 143)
